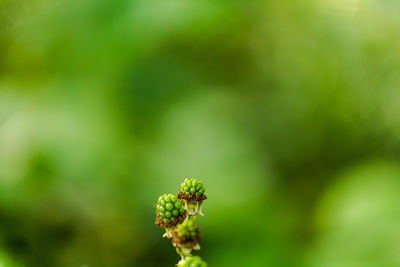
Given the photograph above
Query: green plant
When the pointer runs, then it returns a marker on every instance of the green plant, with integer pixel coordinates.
(192, 194)
(194, 261)
(177, 215)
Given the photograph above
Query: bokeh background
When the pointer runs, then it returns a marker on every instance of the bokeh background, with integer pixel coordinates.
(288, 111)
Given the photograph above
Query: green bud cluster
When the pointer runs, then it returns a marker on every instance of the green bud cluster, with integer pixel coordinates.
(177, 215)
(192, 186)
(169, 207)
(194, 261)
(187, 230)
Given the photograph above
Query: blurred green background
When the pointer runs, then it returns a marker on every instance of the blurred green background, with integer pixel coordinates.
(288, 111)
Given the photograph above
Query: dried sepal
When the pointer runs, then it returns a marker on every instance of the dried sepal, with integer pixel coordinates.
(191, 197)
(193, 208)
(160, 221)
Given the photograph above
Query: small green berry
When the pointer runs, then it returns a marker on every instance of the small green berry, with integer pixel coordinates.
(161, 208)
(178, 204)
(169, 206)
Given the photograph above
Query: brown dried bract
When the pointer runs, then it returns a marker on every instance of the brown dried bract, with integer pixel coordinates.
(191, 197)
(188, 243)
(170, 223)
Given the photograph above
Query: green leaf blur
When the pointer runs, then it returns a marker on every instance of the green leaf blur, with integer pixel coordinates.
(288, 111)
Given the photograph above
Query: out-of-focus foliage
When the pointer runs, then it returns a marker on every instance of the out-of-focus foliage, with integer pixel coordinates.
(274, 105)
(6, 261)
(363, 209)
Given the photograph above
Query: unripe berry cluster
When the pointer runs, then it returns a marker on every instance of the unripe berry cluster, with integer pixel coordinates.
(187, 230)
(193, 186)
(194, 261)
(170, 211)
(177, 214)
(186, 237)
